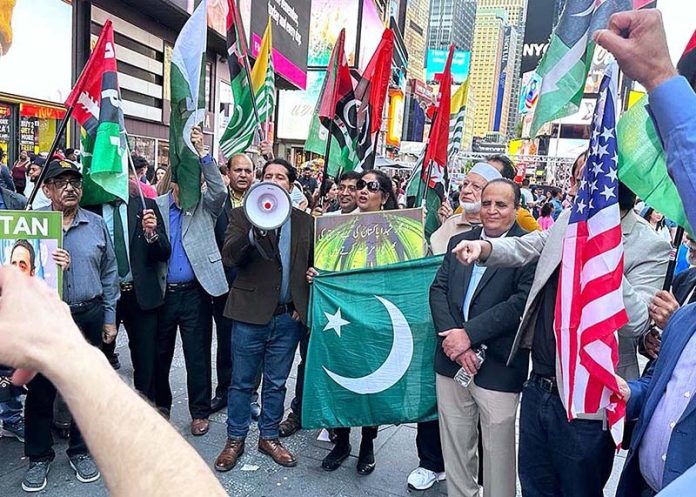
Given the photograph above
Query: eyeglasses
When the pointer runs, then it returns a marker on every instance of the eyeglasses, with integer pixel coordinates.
(76, 183)
(372, 186)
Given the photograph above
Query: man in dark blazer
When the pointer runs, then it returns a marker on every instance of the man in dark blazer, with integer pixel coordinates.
(268, 304)
(475, 306)
(664, 403)
(142, 286)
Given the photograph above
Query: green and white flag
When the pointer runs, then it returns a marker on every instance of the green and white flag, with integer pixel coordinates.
(566, 63)
(188, 105)
(372, 347)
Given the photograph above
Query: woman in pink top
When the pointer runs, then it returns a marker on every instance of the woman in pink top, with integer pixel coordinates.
(546, 218)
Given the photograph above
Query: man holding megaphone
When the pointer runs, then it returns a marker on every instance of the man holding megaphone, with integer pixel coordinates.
(269, 243)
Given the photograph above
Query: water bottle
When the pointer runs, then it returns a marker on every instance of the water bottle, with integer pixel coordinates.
(464, 378)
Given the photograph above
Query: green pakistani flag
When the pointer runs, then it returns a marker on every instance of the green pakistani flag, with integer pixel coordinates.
(188, 105)
(372, 347)
(642, 164)
(565, 64)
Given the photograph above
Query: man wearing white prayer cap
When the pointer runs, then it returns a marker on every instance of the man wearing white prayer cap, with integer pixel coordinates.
(470, 200)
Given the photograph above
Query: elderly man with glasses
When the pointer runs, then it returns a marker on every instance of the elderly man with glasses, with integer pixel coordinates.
(91, 290)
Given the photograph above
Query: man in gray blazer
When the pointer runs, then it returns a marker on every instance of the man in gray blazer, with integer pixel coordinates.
(558, 457)
(193, 274)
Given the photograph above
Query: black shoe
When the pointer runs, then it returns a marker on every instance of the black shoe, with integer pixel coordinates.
(115, 363)
(290, 426)
(366, 459)
(218, 403)
(336, 457)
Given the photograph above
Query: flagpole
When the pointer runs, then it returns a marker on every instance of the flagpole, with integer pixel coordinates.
(247, 70)
(51, 151)
(430, 165)
(135, 174)
(325, 173)
(678, 237)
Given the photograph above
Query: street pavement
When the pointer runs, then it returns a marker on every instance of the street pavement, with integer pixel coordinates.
(255, 475)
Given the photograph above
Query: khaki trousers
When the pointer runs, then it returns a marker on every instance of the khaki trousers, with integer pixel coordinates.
(460, 409)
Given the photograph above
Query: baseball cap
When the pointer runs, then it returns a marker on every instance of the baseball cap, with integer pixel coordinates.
(58, 167)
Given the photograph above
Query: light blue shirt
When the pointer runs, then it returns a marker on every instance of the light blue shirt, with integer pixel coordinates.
(108, 214)
(680, 388)
(285, 247)
(673, 105)
(476, 275)
(179, 269)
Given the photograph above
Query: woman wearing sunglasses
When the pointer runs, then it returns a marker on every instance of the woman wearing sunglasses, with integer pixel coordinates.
(374, 192)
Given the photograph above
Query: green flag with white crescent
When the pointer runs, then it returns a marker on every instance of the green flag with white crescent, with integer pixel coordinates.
(372, 347)
(188, 105)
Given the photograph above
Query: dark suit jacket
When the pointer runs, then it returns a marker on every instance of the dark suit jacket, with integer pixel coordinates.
(494, 315)
(646, 393)
(254, 294)
(682, 285)
(221, 224)
(145, 258)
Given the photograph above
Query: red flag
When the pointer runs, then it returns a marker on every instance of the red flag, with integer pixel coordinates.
(87, 93)
(371, 92)
(438, 141)
(687, 62)
(338, 81)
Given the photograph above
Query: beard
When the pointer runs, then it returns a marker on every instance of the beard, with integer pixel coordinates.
(471, 207)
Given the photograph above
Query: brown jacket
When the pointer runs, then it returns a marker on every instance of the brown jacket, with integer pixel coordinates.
(254, 294)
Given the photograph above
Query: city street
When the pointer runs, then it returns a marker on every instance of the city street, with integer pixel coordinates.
(255, 475)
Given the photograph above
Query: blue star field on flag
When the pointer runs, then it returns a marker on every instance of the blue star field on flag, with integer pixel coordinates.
(599, 187)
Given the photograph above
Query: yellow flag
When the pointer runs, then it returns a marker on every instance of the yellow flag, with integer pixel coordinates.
(263, 76)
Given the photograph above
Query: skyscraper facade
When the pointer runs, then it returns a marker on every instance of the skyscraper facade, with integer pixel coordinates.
(451, 21)
(415, 34)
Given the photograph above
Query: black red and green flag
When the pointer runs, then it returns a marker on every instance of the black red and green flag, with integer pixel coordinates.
(96, 104)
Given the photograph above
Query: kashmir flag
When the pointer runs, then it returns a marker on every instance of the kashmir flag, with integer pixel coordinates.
(244, 121)
(371, 92)
(96, 104)
(642, 160)
(567, 60)
(457, 111)
(372, 343)
(188, 106)
(334, 115)
(263, 77)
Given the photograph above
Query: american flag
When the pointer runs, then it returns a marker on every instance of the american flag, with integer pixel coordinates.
(589, 305)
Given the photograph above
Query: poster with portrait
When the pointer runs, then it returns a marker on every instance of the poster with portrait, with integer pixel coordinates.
(28, 240)
(368, 239)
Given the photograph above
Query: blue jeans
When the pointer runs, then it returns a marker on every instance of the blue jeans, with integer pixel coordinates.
(271, 347)
(558, 458)
(11, 410)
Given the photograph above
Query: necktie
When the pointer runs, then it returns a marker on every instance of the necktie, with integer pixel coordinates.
(120, 242)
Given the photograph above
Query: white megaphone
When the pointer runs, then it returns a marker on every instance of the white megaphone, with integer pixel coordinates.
(267, 205)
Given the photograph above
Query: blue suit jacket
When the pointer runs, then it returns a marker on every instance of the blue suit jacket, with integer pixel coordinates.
(646, 393)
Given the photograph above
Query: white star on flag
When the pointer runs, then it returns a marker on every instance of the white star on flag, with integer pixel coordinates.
(612, 174)
(602, 151)
(597, 169)
(580, 206)
(607, 134)
(595, 135)
(336, 321)
(615, 159)
(593, 187)
(608, 192)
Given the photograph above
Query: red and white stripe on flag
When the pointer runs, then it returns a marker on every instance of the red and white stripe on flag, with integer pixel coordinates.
(589, 304)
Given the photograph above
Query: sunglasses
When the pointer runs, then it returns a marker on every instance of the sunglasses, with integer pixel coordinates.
(372, 186)
(76, 183)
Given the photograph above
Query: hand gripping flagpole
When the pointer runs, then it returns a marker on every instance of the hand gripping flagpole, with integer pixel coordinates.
(678, 237)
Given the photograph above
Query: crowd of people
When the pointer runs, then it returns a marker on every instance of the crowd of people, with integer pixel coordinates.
(158, 270)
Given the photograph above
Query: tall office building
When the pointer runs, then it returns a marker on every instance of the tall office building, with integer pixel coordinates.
(415, 34)
(484, 76)
(451, 21)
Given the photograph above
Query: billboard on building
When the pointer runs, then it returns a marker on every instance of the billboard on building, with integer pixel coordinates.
(327, 19)
(537, 32)
(296, 108)
(435, 63)
(371, 29)
(290, 20)
(505, 56)
(32, 66)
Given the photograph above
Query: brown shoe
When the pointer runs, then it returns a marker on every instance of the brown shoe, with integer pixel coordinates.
(199, 427)
(290, 426)
(234, 448)
(280, 454)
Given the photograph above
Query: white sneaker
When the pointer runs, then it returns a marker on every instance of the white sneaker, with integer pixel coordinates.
(423, 479)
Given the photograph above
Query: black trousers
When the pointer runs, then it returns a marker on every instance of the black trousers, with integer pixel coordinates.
(189, 309)
(343, 434)
(296, 404)
(141, 327)
(38, 411)
(429, 446)
(223, 360)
